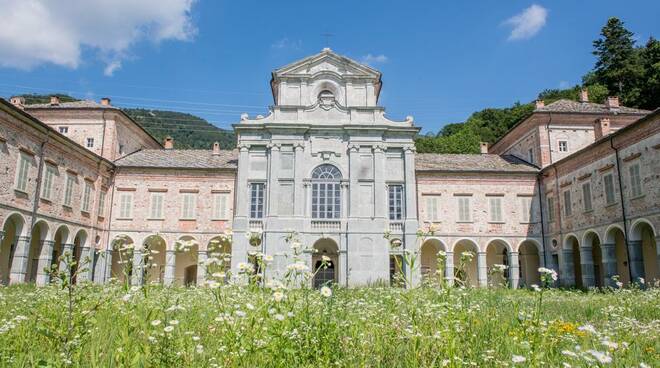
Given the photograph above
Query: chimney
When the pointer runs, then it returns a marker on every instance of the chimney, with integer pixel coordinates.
(169, 142)
(54, 100)
(540, 104)
(601, 128)
(584, 95)
(484, 147)
(612, 102)
(105, 101)
(216, 148)
(18, 101)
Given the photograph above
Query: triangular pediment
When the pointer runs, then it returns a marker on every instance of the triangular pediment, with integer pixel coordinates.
(327, 61)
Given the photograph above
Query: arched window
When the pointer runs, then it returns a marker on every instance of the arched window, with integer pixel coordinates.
(326, 192)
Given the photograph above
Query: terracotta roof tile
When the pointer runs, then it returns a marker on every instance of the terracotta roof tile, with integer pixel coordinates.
(180, 159)
(471, 162)
(587, 107)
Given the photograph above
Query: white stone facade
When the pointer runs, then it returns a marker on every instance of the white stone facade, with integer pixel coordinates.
(327, 163)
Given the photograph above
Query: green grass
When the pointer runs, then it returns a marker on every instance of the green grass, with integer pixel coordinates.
(369, 327)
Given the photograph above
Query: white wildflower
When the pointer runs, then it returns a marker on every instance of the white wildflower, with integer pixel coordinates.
(518, 359)
(168, 329)
(603, 358)
(155, 322)
(326, 291)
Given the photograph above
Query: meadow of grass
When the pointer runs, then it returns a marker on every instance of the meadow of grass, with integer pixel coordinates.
(252, 326)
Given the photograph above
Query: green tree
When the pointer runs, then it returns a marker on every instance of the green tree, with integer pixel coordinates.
(649, 96)
(618, 65)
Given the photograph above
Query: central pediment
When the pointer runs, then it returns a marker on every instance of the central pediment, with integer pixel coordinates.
(326, 62)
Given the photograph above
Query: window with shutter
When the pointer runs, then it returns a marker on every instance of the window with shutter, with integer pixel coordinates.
(568, 206)
(586, 196)
(156, 208)
(495, 209)
(23, 171)
(551, 209)
(68, 189)
(464, 213)
(189, 204)
(87, 196)
(101, 211)
(126, 205)
(608, 181)
(635, 181)
(49, 177)
(220, 206)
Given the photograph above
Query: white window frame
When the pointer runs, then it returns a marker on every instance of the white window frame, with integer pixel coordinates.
(63, 129)
(87, 197)
(126, 205)
(610, 197)
(22, 172)
(156, 198)
(464, 208)
(395, 201)
(635, 180)
(495, 212)
(559, 145)
(49, 177)
(220, 206)
(587, 198)
(257, 200)
(188, 205)
(88, 141)
(568, 203)
(69, 183)
(326, 192)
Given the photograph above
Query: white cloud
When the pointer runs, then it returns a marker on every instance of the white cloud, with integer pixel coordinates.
(370, 59)
(36, 32)
(286, 43)
(528, 23)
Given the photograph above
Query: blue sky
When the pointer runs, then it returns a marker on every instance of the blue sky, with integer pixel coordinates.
(441, 61)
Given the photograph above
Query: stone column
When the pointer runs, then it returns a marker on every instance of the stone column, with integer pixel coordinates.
(273, 187)
(170, 267)
(108, 265)
(482, 269)
(137, 276)
(354, 166)
(636, 260)
(242, 198)
(298, 177)
(409, 177)
(201, 267)
(2, 236)
(45, 260)
(65, 248)
(514, 270)
(449, 268)
(587, 267)
(380, 190)
(568, 269)
(20, 260)
(609, 263)
(86, 261)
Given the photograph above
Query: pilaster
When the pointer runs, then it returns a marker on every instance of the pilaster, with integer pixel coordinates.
(108, 265)
(380, 190)
(170, 267)
(273, 187)
(20, 260)
(45, 260)
(353, 167)
(67, 252)
(298, 177)
(201, 267)
(609, 263)
(636, 260)
(587, 267)
(514, 270)
(449, 268)
(482, 269)
(568, 268)
(241, 205)
(137, 278)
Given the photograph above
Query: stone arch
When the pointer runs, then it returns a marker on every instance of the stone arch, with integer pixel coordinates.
(614, 249)
(325, 247)
(40, 233)
(13, 229)
(591, 257)
(80, 246)
(220, 248)
(429, 256)
(529, 260)
(122, 247)
(644, 252)
(572, 269)
(327, 84)
(185, 270)
(498, 252)
(60, 238)
(469, 275)
(153, 253)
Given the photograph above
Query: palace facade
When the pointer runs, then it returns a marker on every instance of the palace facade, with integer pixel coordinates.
(573, 187)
